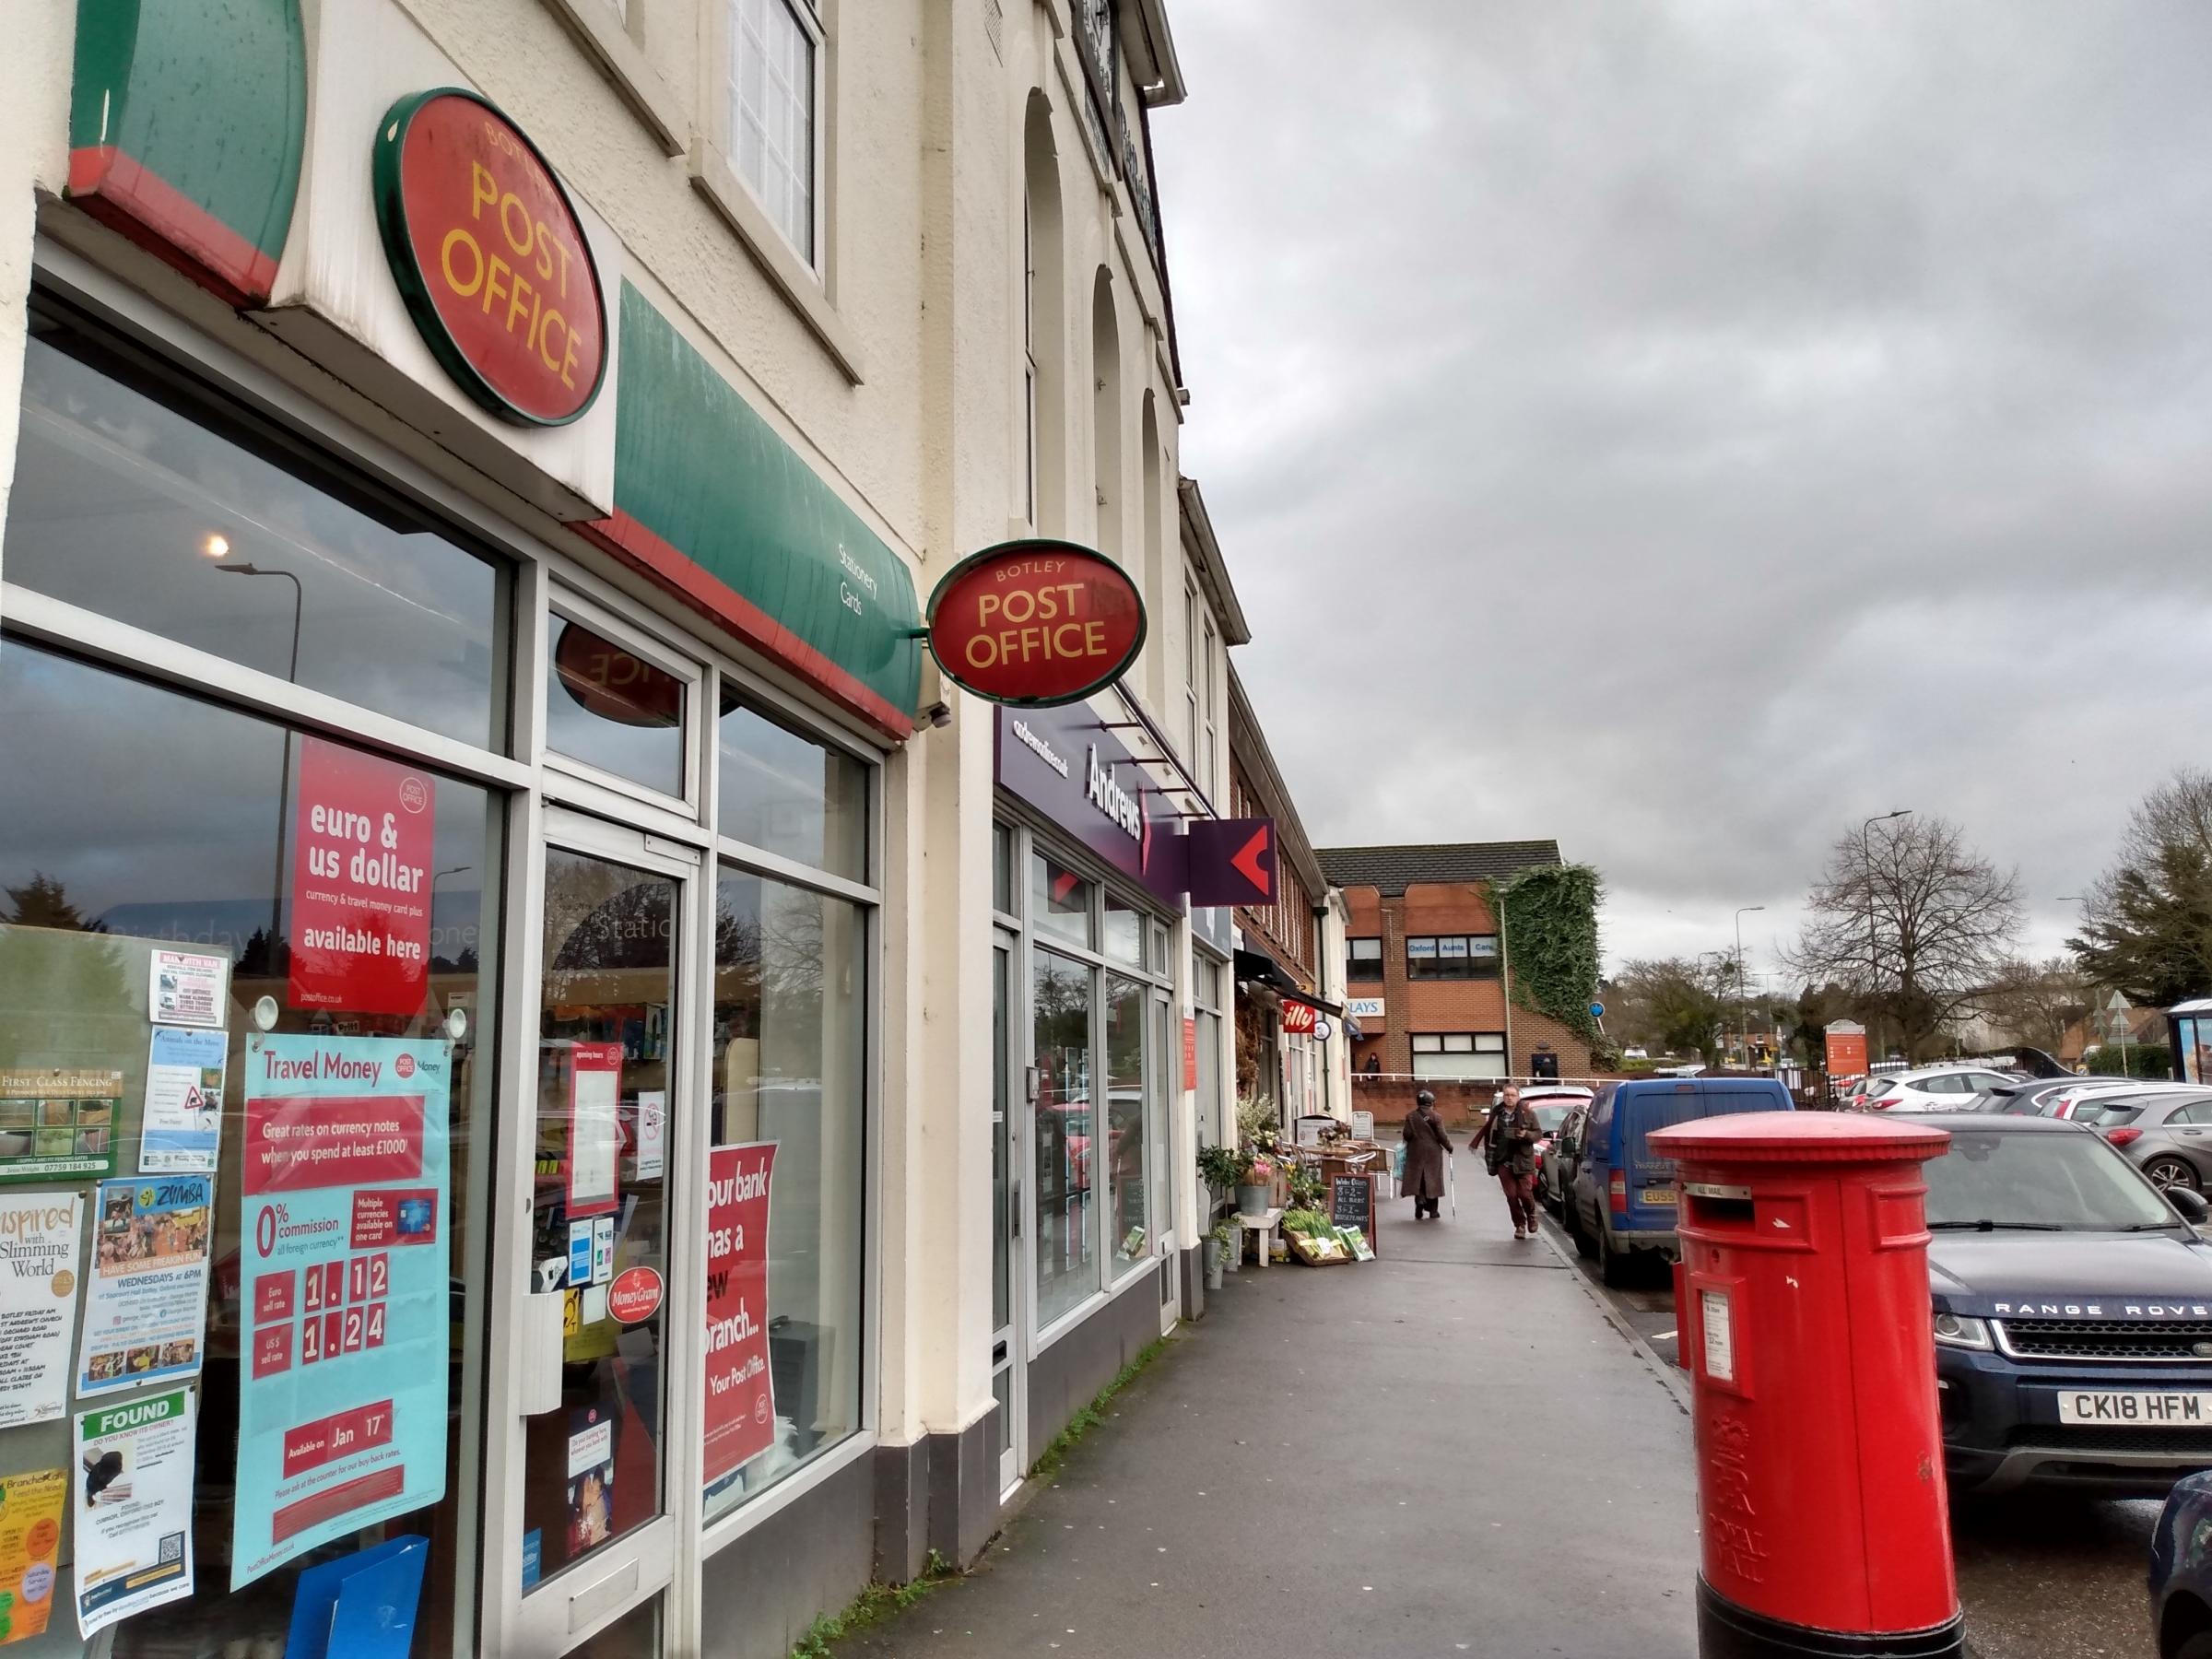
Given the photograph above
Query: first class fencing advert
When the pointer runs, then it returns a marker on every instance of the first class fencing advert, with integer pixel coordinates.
(343, 1220)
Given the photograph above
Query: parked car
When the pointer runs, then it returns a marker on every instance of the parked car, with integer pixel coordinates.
(2021, 1099)
(2073, 1310)
(1930, 1089)
(2167, 1135)
(2069, 1098)
(1622, 1202)
(2181, 1572)
(1558, 1110)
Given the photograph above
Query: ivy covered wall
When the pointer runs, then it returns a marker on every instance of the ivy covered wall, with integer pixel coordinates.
(1548, 917)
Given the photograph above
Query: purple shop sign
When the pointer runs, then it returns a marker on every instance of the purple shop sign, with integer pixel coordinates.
(1064, 762)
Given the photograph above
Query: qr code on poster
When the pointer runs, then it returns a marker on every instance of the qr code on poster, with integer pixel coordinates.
(172, 1547)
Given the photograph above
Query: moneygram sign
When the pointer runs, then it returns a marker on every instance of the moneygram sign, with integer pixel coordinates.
(490, 257)
(1036, 623)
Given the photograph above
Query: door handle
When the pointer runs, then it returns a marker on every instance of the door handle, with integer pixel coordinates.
(1014, 1210)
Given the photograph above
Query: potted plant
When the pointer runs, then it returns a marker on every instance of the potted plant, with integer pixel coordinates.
(1219, 1244)
(1255, 1186)
(1220, 1168)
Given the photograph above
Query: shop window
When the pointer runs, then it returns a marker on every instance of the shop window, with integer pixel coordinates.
(611, 709)
(1129, 1226)
(1125, 930)
(790, 795)
(142, 821)
(136, 497)
(788, 1057)
(1452, 956)
(1059, 901)
(1363, 959)
(1002, 869)
(1067, 1265)
(1459, 1055)
(1211, 1111)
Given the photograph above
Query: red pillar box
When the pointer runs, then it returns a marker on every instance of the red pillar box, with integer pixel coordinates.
(1806, 1320)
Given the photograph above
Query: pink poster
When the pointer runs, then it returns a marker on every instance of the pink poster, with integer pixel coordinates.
(741, 1399)
(362, 843)
(595, 1128)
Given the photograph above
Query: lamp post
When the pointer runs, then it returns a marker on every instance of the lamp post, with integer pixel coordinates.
(284, 787)
(1874, 966)
(1742, 1017)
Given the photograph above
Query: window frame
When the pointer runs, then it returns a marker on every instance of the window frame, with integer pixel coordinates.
(1465, 960)
(808, 283)
(1352, 959)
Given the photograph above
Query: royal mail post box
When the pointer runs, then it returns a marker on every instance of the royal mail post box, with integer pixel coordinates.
(1804, 1318)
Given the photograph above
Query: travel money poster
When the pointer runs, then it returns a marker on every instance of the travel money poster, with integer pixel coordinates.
(343, 1212)
(145, 1302)
(39, 1256)
(30, 1545)
(58, 1124)
(133, 1508)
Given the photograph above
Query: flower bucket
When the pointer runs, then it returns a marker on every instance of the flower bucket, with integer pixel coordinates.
(1253, 1200)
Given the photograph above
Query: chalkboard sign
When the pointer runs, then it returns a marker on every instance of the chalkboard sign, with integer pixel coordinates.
(1352, 1203)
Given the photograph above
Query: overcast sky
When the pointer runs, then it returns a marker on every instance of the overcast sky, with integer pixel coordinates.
(1685, 430)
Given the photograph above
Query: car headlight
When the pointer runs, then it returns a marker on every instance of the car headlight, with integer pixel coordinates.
(1956, 1330)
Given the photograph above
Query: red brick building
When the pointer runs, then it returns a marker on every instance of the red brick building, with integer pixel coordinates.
(1427, 975)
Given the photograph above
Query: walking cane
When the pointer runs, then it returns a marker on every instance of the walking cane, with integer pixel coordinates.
(1451, 1181)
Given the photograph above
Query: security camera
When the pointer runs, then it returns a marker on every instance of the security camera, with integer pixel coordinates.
(938, 714)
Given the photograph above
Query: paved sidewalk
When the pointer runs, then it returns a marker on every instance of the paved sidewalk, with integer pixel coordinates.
(1448, 1450)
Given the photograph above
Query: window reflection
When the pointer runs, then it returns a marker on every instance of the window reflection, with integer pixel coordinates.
(790, 795)
(1131, 1226)
(1059, 900)
(229, 536)
(610, 708)
(788, 1057)
(1067, 1263)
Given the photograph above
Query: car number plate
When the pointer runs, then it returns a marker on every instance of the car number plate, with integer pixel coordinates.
(2082, 1405)
(1659, 1195)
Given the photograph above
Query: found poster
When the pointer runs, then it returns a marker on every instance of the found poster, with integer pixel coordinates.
(31, 1546)
(187, 989)
(58, 1124)
(181, 1131)
(38, 1305)
(343, 1214)
(363, 836)
(133, 1508)
(740, 1421)
(145, 1303)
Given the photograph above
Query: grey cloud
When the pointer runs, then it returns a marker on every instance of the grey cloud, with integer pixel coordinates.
(1686, 429)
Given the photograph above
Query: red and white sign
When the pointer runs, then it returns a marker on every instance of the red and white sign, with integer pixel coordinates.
(363, 836)
(490, 257)
(295, 1143)
(1846, 1052)
(1036, 622)
(740, 1398)
(635, 1295)
(595, 1128)
(1298, 1018)
(1189, 1053)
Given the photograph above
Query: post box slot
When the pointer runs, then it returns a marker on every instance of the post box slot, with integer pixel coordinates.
(1717, 1212)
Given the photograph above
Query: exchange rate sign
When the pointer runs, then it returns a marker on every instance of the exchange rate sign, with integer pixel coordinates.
(1036, 622)
(490, 257)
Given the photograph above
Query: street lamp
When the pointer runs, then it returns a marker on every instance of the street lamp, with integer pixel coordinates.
(1874, 966)
(1742, 1025)
(284, 787)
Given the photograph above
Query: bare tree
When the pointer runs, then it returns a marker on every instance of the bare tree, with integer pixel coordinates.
(2035, 1001)
(1912, 920)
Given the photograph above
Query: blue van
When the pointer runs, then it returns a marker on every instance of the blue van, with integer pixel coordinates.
(1623, 1200)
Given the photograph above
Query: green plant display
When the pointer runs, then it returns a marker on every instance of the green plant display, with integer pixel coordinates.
(1548, 917)
(1222, 1167)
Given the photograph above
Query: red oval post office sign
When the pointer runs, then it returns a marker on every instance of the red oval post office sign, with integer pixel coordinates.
(635, 1295)
(490, 257)
(1036, 622)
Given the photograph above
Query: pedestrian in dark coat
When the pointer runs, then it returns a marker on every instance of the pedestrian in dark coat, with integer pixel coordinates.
(1427, 1147)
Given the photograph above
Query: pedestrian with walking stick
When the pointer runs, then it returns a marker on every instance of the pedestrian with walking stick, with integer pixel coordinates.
(1426, 1146)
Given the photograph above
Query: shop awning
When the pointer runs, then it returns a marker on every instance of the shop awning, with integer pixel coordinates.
(1257, 968)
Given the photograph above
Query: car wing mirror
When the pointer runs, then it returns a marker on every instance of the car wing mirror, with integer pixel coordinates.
(2193, 1208)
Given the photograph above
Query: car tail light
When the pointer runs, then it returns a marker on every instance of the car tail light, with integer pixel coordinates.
(2122, 1138)
(1616, 1191)
(1885, 1103)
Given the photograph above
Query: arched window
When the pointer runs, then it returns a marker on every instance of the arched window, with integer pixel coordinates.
(1106, 415)
(1045, 328)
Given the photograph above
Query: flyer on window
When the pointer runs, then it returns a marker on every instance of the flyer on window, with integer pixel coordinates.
(181, 1131)
(133, 1508)
(39, 1259)
(740, 1420)
(31, 1546)
(145, 1302)
(58, 1122)
(595, 1128)
(186, 989)
(343, 1218)
(364, 833)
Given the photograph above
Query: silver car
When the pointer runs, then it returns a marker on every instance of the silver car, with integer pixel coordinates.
(2167, 1133)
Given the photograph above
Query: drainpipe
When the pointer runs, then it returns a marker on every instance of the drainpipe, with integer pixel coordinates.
(1320, 978)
